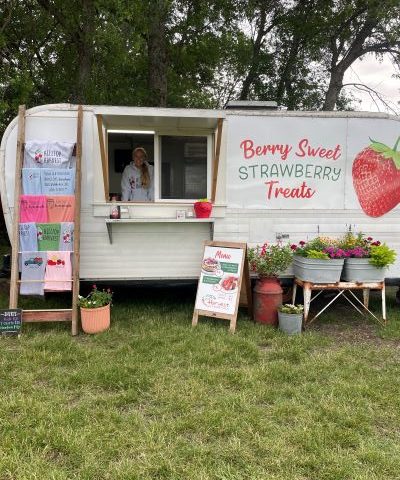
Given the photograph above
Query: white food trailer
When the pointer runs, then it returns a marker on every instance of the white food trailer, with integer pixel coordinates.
(277, 175)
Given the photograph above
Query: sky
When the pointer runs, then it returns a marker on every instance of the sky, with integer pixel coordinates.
(376, 75)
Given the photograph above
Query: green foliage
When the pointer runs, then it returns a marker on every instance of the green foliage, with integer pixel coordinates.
(317, 254)
(350, 241)
(96, 298)
(98, 52)
(291, 309)
(270, 259)
(382, 256)
(317, 244)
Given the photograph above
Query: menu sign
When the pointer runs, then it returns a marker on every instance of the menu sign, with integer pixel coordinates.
(220, 281)
(10, 321)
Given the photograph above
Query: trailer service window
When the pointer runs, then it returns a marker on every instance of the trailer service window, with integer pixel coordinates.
(179, 162)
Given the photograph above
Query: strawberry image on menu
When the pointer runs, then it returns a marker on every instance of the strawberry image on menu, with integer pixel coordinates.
(376, 178)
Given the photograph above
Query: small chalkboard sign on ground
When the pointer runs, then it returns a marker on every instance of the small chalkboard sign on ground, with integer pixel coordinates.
(10, 321)
(224, 273)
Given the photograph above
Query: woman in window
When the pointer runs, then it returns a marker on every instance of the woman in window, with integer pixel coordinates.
(137, 180)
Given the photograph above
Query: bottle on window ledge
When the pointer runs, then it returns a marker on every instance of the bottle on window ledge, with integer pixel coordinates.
(115, 210)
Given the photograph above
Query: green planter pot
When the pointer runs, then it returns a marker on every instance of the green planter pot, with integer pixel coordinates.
(360, 270)
(317, 270)
(290, 323)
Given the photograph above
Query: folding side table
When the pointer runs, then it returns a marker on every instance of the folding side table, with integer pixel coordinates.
(344, 289)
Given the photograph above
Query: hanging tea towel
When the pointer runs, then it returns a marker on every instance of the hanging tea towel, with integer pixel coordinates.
(48, 236)
(33, 266)
(60, 208)
(33, 208)
(46, 154)
(31, 181)
(28, 237)
(58, 181)
(67, 236)
(58, 272)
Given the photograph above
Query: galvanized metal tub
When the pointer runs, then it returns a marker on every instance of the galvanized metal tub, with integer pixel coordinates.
(290, 323)
(360, 270)
(317, 270)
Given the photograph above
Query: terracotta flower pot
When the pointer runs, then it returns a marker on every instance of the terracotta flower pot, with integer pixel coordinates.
(202, 209)
(95, 320)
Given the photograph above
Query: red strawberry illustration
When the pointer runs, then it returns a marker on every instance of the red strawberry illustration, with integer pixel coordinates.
(376, 178)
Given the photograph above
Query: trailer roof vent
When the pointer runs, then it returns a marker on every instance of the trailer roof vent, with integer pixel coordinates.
(251, 105)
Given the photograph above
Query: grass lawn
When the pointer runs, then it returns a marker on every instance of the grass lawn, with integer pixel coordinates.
(154, 399)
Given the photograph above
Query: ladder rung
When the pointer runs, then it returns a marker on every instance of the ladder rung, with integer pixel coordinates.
(56, 315)
(43, 281)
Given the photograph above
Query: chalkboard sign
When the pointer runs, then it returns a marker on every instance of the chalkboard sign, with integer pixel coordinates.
(224, 270)
(10, 321)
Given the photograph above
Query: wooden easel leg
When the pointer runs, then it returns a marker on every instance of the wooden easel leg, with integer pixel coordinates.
(195, 318)
(232, 325)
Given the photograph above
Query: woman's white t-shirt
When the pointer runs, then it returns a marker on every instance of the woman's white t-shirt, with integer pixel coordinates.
(131, 184)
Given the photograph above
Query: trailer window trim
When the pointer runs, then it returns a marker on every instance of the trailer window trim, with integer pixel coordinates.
(104, 132)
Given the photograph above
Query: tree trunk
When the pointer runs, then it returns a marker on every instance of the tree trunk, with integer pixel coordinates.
(255, 62)
(81, 34)
(157, 55)
(84, 46)
(285, 81)
(333, 92)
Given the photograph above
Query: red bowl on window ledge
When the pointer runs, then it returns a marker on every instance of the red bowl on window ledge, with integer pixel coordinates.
(202, 209)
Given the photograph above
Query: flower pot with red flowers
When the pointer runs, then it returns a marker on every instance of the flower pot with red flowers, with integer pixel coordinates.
(95, 310)
(202, 208)
(268, 261)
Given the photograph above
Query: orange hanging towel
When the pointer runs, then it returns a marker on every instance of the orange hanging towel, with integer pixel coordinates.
(60, 208)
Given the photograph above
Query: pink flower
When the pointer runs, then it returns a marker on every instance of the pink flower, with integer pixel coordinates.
(293, 246)
(369, 239)
(302, 242)
(94, 287)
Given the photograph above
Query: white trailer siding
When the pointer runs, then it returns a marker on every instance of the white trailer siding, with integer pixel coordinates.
(152, 249)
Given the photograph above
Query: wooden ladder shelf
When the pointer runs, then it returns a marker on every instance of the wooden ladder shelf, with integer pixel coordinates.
(51, 315)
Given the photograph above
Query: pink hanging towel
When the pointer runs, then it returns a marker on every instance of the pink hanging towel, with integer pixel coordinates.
(58, 272)
(60, 208)
(33, 208)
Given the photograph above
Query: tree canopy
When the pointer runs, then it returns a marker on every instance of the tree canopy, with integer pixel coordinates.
(188, 53)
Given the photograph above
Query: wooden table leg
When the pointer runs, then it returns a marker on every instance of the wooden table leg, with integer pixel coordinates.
(307, 300)
(384, 303)
(294, 293)
(366, 297)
